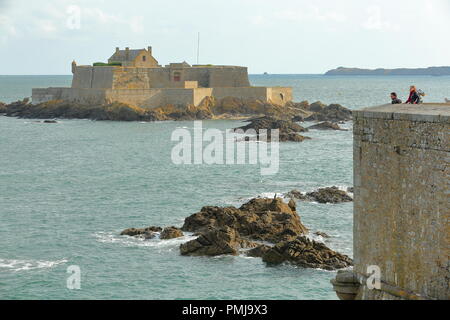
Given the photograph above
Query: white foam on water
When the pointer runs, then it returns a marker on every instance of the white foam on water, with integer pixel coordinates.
(115, 238)
(16, 265)
(264, 195)
(315, 237)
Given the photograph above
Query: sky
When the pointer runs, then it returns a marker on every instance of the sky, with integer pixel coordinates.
(275, 36)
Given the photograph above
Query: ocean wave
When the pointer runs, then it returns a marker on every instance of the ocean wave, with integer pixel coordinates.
(115, 238)
(16, 265)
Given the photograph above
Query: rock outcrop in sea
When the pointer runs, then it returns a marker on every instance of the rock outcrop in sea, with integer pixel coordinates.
(269, 220)
(267, 228)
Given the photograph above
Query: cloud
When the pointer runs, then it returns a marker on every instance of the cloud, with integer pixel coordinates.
(257, 20)
(137, 24)
(311, 13)
(7, 28)
(375, 20)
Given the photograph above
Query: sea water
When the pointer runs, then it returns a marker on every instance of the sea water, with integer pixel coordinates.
(68, 189)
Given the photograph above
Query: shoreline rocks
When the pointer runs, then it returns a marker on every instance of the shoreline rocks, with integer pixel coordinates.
(210, 108)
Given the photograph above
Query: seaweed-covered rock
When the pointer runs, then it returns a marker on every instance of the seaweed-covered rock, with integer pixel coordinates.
(307, 253)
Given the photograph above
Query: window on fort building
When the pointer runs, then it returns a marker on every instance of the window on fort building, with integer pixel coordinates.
(282, 96)
(144, 58)
(177, 76)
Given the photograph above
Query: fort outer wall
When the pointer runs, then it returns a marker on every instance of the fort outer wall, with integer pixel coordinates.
(401, 201)
(151, 98)
(146, 78)
(154, 87)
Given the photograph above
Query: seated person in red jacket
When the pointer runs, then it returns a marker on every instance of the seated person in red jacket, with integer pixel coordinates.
(414, 97)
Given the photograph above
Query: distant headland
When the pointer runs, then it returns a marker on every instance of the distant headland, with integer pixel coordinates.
(431, 71)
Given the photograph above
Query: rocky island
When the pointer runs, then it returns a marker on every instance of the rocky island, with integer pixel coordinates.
(133, 86)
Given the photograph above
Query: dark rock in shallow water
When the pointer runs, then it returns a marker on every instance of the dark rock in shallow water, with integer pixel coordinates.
(329, 195)
(288, 130)
(214, 242)
(260, 219)
(326, 126)
(322, 195)
(50, 121)
(297, 195)
(307, 253)
(145, 233)
(171, 233)
(273, 123)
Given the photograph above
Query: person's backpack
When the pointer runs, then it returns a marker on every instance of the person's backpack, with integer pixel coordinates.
(421, 94)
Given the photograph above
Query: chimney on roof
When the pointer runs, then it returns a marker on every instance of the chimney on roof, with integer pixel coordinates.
(149, 49)
(127, 53)
(117, 49)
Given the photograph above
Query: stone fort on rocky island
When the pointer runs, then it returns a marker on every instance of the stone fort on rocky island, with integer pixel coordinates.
(135, 77)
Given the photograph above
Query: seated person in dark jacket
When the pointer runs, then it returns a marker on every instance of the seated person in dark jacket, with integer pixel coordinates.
(414, 97)
(394, 98)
